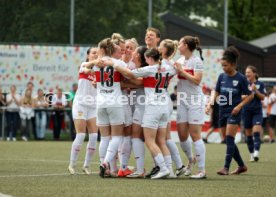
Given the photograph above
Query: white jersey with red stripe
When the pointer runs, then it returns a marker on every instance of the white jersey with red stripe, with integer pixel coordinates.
(86, 93)
(108, 80)
(156, 81)
(192, 65)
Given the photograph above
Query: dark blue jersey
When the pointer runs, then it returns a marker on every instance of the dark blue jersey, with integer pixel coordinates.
(231, 90)
(256, 102)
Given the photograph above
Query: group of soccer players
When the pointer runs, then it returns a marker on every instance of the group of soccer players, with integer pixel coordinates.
(122, 90)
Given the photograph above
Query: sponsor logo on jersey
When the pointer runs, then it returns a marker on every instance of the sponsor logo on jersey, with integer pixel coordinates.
(106, 91)
(235, 82)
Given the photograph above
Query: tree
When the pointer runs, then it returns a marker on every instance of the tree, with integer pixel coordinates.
(47, 21)
(248, 19)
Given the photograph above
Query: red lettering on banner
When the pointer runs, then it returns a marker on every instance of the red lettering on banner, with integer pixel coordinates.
(190, 71)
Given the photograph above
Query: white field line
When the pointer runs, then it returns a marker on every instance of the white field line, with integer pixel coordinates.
(4, 195)
(44, 160)
(42, 175)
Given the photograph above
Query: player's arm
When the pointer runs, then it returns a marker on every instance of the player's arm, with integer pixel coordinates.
(124, 71)
(214, 95)
(257, 93)
(245, 101)
(196, 78)
(132, 83)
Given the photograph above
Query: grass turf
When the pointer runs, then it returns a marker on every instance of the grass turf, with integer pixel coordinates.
(40, 169)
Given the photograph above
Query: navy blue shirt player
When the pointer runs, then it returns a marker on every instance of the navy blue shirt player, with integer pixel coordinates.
(252, 114)
(231, 85)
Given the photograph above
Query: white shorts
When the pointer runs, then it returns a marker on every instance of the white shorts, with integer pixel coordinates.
(128, 115)
(193, 114)
(138, 114)
(110, 116)
(155, 117)
(83, 112)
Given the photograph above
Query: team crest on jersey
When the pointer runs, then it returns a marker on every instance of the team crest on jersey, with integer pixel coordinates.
(235, 82)
(249, 87)
(80, 114)
(258, 86)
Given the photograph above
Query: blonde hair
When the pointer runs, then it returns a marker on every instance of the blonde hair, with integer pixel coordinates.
(171, 46)
(117, 38)
(133, 41)
(27, 99)
(107, 45)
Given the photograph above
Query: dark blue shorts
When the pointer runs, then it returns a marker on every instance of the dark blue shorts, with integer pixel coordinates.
(252, 117)
(227, 118)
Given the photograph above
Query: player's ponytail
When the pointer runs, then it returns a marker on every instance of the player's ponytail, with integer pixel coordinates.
(193, 43)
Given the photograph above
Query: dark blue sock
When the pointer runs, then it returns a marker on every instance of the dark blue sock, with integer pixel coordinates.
(257, 141)
(250, 143)
(230, 149)
(237, 156)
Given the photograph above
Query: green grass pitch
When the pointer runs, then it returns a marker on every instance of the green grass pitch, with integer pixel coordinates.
(40, 169)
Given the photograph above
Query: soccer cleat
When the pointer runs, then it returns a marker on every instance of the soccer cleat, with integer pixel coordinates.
(180, 171)
(14, 139)
(71, 170)
(109, 174)
(86, 170)
(136, 175)
(124, 173)
(251, 158)
(8, 139)
(161, 174)
(188, 170)
(256, 156)
(103, 169)
(239, 170)
(172, 176)
(154, 171)
(199, 175)
(223, 171)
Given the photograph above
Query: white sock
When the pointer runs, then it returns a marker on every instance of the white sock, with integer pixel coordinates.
(113, 165)
(112, 148)
(174, 153)
(200, 152)
(119, 151)
(187, 148)
(168, 161)
(139, 154)
(76, 147)
(125, 152)
(90, 148)
(103, 147)
(160, 161)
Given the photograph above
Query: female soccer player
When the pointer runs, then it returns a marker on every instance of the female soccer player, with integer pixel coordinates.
(190, 111)
(155, 119)
(252, 113)
(231, 85)
(168, 49)
(110, 113)
(84, 114)
(139, 60)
